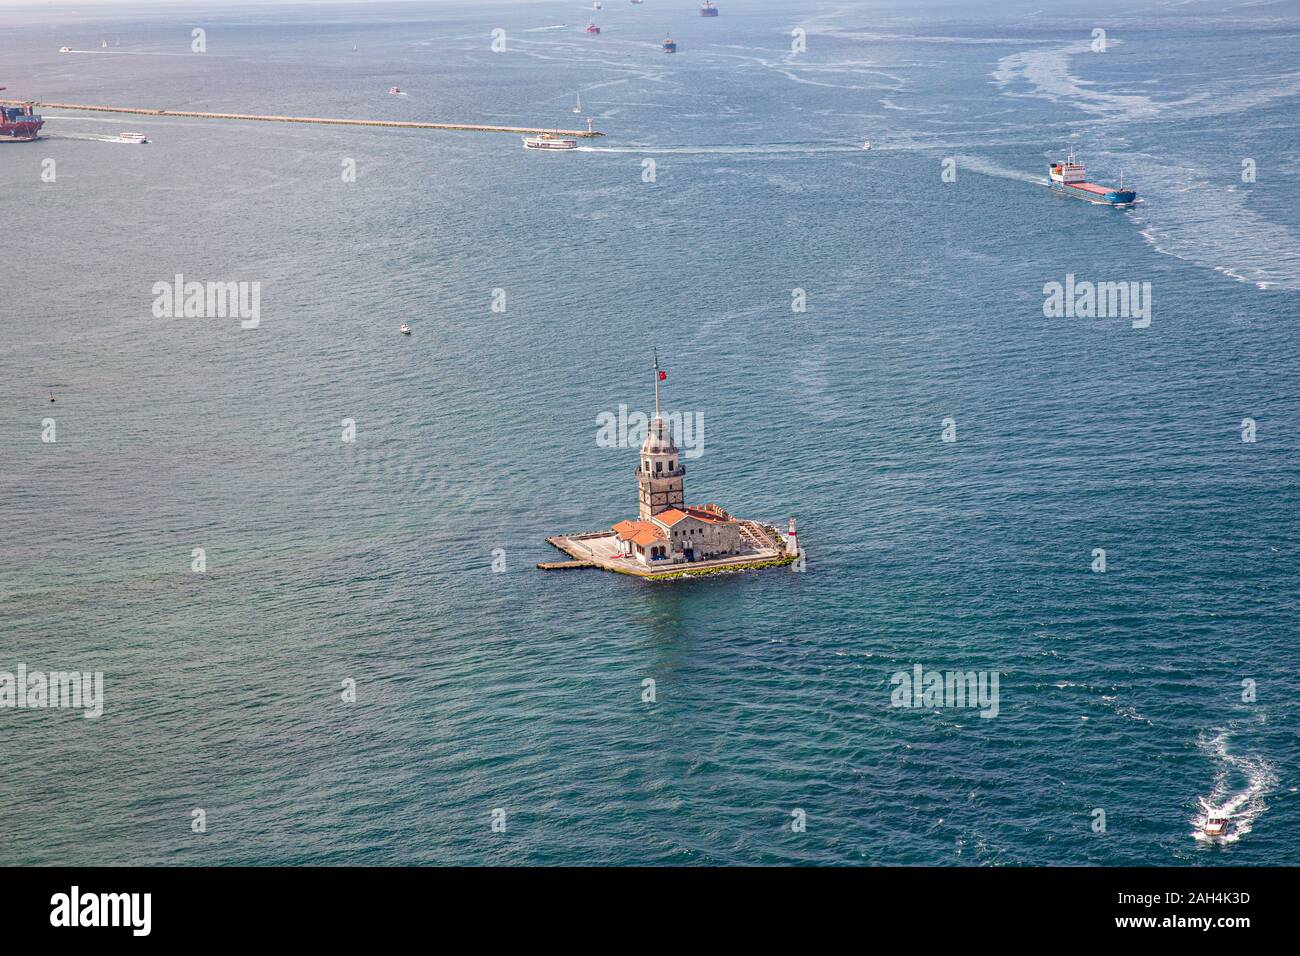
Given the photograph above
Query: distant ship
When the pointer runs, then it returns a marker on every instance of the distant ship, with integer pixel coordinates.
(132, 138)
(596, 5)
(1068, 176)
(670, 45)
(708, 9)
(19, 124)
(592, 29)
(638, 1)
(549, 141)
(395, 91)
(577, 107)
(65, 49)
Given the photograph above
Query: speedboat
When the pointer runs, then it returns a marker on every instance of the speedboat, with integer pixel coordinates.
(132, 138)
(65, 49)
(549, 141)
(405, 329)
(1215, 825)
(395, 91)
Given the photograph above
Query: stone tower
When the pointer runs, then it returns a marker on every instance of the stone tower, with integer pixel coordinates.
(660, 474)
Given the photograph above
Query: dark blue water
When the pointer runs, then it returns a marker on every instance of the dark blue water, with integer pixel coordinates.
(371, 561)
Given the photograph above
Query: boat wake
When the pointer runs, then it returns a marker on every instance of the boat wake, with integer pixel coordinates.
(739, 150)
(1241, 785)
(84, 137)
(985, 168)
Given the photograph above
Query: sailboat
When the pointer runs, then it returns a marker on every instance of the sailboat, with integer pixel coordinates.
(577, 107)
(103, 44)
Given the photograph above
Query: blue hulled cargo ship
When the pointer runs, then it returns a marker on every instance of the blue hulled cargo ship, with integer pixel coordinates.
(1070, 177)
(670, 45)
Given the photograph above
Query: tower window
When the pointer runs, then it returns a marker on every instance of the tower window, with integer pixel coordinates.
(659, 466)
(672, 465)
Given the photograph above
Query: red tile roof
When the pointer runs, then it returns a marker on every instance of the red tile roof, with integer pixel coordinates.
(639, 532)
(710, 514)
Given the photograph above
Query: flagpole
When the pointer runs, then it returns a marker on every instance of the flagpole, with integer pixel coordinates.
(656, 383)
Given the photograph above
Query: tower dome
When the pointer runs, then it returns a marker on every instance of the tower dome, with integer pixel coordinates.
(658, 439)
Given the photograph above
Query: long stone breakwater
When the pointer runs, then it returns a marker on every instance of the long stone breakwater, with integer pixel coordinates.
(323, 121)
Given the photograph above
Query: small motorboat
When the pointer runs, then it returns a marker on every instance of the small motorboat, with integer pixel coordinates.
(65, 49)
(395, 91)
(1215, 825)
(867, 144)
(549, 141)
(132, 138)
(592, 29)
(405, 329)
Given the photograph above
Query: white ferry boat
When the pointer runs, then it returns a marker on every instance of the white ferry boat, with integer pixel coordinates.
(549, 141)
(132, 138)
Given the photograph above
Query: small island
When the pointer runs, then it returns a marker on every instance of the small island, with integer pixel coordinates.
(669, 538)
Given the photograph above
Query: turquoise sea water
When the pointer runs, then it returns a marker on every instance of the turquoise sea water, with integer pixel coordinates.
(371, 561)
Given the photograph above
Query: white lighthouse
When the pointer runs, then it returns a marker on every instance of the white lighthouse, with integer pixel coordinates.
(791, 542)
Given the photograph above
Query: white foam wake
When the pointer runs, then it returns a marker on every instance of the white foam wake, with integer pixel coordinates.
(1241, 784)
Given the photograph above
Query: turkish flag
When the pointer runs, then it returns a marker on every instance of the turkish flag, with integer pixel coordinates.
(662, 375)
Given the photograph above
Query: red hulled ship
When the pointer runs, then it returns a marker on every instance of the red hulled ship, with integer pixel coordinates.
(19, 123)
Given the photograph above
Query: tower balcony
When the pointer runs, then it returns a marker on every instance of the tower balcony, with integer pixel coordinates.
(678, 472)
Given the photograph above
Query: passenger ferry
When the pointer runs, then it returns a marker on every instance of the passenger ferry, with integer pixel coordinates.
(549, 141)
(132, 138)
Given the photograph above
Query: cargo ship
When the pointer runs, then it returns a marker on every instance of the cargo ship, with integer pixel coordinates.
(1069, 177)
(19, 124)
(708, 9)
(670, 45)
